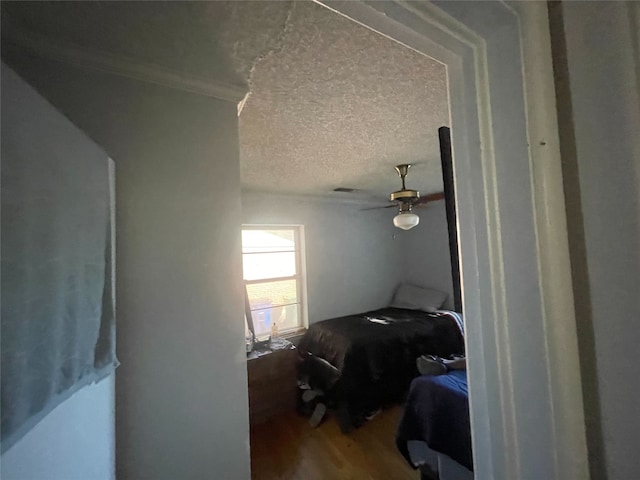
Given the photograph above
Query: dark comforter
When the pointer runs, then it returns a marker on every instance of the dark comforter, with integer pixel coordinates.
(437, 413)
(363, 364)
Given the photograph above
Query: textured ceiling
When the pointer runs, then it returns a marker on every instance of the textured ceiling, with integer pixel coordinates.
(332, 104)
(337, 105)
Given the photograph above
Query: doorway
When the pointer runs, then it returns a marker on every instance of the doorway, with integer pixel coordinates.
(385, 114)
(508, 195)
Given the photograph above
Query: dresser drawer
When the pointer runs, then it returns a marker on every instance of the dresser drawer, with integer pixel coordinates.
(272, 384)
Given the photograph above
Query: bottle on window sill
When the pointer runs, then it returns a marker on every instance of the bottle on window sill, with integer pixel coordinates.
(274, 330)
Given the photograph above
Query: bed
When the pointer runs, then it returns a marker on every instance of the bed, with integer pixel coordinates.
(434, 433)
(366, 361)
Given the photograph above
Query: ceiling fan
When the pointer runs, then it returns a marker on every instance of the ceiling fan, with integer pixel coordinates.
(405, 199)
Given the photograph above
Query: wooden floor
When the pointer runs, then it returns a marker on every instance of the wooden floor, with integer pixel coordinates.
(287, 448)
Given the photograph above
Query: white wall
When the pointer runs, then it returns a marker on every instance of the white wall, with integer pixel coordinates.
(181, 404)
(603, 69)
(354, 258)
(76, 441)
(427, 260)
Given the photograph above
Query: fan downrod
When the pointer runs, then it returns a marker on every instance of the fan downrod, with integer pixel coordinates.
(404, 195)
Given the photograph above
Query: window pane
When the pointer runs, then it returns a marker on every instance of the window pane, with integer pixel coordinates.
(290, 318)
(270, 294)
(286, 317)
(257, 266)
(271, 253)
(262, 322)
(268, 240)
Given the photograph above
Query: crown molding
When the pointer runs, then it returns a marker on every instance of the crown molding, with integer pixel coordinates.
(121, 65)
(361, 201)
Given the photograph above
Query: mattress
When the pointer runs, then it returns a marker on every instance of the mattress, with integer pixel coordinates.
(437, 413)
(366, 361)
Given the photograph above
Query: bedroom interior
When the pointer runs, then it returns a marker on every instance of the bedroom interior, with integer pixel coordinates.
(322, 131)
(157, 87)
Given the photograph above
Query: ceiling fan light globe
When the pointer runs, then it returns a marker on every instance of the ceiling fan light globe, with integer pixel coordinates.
(406, 221)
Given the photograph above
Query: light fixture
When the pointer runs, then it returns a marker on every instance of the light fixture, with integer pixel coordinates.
(405, 197)
(405, 219)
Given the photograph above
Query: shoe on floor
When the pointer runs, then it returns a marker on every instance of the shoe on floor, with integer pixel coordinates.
(309, 395)
(429, 366)
(318, 415)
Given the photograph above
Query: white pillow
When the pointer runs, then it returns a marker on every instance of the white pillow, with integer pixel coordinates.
(418, 298)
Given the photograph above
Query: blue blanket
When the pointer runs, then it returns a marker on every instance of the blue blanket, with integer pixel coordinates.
(437, 413)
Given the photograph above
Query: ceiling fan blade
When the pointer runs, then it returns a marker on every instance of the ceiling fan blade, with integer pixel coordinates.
(393, 205)
(432, 197)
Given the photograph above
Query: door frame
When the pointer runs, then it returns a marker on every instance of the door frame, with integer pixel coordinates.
(524, 378)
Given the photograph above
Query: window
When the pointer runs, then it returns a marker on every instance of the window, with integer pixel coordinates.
(273, 276)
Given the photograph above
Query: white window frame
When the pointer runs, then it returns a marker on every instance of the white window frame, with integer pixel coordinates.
(300, 277)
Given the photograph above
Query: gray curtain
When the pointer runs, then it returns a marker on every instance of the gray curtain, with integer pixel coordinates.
(58, 327)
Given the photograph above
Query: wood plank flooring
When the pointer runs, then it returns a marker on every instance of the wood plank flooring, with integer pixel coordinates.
(287, 448)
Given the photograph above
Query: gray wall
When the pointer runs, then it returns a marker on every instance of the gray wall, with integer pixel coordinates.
(76, 441)
(427, 261)
(601, 144)
(181, 404)
(355, 258)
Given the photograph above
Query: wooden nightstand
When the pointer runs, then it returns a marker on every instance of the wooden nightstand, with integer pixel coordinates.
(272, 384)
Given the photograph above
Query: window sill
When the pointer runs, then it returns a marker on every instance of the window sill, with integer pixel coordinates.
(293, 335)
